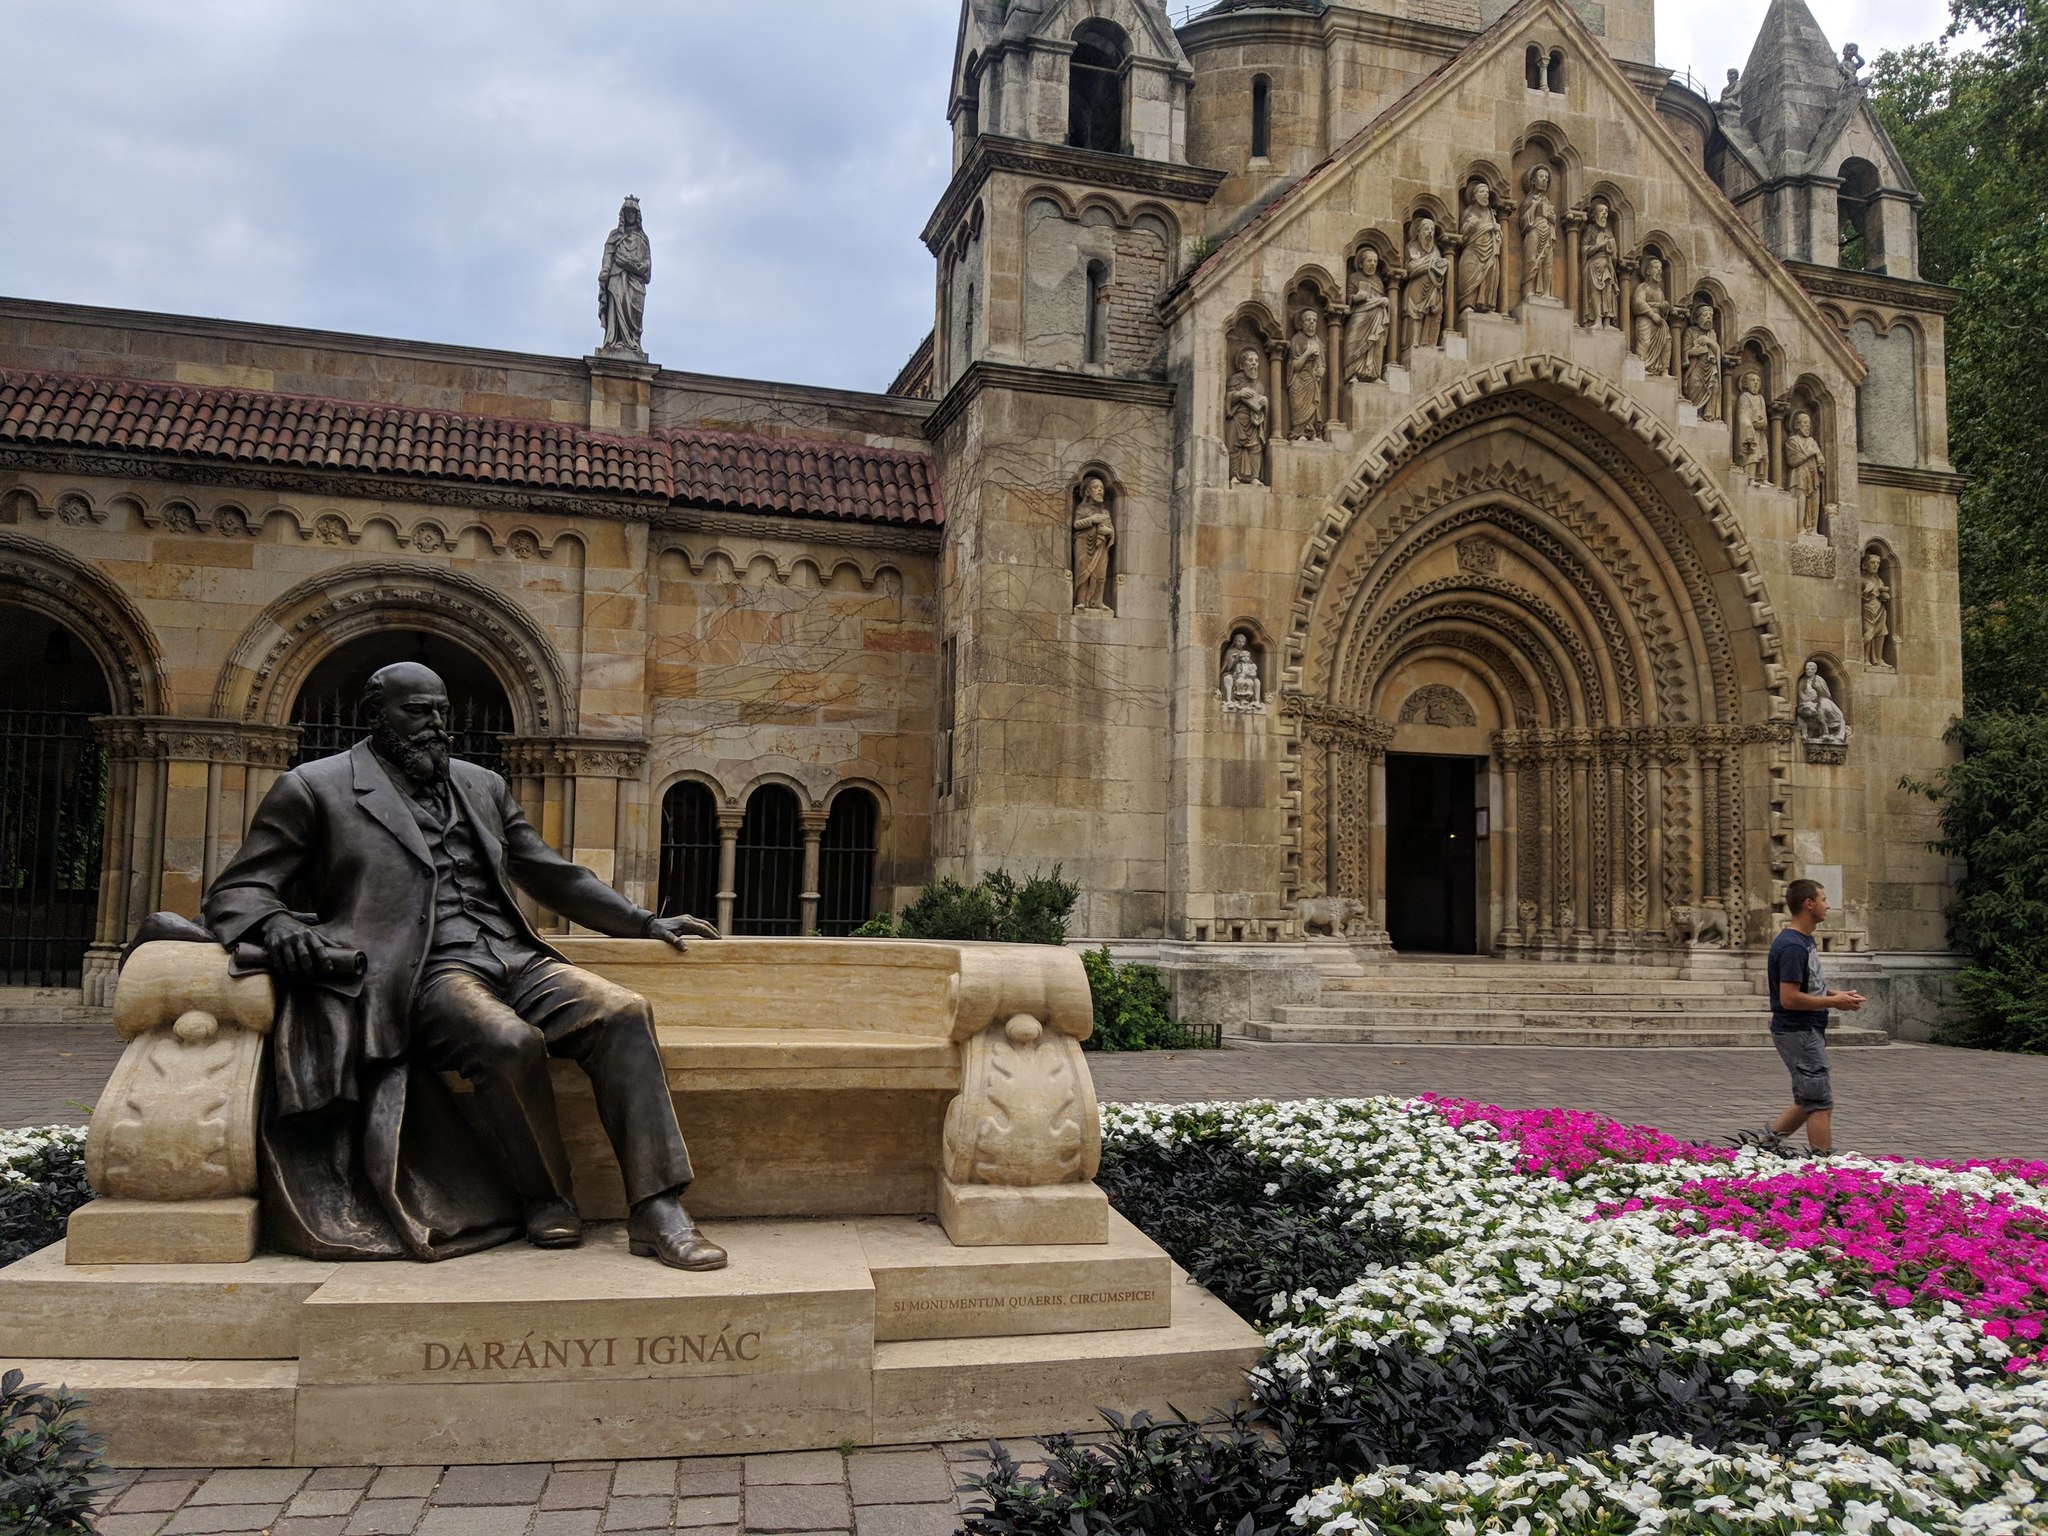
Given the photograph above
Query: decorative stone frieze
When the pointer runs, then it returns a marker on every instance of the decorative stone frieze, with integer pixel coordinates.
(594, 757)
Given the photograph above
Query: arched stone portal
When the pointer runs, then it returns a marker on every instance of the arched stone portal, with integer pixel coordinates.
(1523, 583)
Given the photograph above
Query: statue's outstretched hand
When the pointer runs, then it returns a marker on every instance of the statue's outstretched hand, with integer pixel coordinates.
(294, 949)
(670, 930)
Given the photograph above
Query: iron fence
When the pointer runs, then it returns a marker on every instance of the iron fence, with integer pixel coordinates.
(770, 866)
(53, 812)
(327, 725)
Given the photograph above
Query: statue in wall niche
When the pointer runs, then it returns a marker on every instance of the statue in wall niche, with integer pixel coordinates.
(1479, 250)
(1539, 233)
(1094, 537)
(1820, 718)
(1805, 471)
(1752, 428)
(1243, 690)
(1307, 369)
(1246, 409)
(1365, 332)
(1422, 298)
(622, 284)
(1701, 381)
(1650, 312)
(1601, 257)
(1877, 610)
(398, 853)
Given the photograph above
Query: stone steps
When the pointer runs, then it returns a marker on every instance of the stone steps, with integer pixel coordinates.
(1557, 1025)
(1643, 997)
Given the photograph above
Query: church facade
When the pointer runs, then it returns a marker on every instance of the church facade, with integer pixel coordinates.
(1392, 478)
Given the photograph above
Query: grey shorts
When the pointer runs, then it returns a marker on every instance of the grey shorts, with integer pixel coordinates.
(1806, 1054)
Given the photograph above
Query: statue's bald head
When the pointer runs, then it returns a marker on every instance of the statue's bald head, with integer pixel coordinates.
(406, 705)
(407, 678)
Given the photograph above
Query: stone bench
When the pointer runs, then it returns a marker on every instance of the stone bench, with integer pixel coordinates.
(812, 1077)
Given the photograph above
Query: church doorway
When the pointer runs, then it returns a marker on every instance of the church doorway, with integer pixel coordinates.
(480, 715)
(53, 799)
(1432, 859)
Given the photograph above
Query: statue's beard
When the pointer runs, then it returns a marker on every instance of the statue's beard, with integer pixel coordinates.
(423, 762)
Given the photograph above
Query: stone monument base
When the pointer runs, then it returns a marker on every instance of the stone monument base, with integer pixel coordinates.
(821, 1333)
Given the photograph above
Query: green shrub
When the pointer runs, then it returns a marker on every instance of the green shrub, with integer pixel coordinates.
(1994, 815)
(42, 1181)
(47, 1459)
(1133, 1009)
(999, 909)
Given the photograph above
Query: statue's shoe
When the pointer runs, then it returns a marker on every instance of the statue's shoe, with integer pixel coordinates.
(662, 1229)
(553, 1224)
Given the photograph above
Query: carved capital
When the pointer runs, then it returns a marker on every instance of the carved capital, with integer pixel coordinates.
(1331, 725)
(577, 757)
(152, 738)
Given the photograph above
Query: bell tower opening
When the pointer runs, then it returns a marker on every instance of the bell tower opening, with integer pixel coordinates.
(1095, 88)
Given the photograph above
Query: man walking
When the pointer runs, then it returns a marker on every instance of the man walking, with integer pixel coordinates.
(1800, 1000)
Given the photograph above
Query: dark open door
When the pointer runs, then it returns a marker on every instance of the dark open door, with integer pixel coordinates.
(1432, 863)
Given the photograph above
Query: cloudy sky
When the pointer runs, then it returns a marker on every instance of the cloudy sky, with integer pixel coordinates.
(447, 169)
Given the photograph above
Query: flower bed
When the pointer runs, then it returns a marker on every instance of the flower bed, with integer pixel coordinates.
(42, 1181)
(1564, 1324)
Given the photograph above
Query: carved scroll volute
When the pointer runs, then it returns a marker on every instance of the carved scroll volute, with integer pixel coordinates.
(1026, 1114)
(177, 1120)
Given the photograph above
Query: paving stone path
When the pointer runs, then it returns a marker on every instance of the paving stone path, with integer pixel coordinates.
(1923, 1101)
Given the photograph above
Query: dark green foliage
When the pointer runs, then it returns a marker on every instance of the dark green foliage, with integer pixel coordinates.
(1994, 813)
(1133, 1009)
(999, 909)
(47, 1459)
(35, 1204)
(1206, 1204)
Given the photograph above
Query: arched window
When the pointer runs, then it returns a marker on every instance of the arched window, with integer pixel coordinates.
(1553, 79)
(325, 710)
(1532, 68)
(689, 852)
(53, 800)
(970, 99)
(1859, 251)
(1097, 318)
(768, 878)
(1095, 88)
(846, 864)
(1262, 117)
(967, 330)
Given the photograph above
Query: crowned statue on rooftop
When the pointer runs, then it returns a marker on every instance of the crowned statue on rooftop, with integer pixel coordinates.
(622, 285)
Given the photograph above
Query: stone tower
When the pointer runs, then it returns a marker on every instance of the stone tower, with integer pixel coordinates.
(1067, 220)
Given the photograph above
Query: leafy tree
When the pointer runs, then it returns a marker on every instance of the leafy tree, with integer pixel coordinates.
(1972, 123)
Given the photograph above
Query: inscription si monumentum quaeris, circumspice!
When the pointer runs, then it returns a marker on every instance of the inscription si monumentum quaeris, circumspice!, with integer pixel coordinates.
(531, 1354)
(1005, 1303)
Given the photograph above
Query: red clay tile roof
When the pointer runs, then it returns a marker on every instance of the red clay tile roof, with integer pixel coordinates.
(236, 426)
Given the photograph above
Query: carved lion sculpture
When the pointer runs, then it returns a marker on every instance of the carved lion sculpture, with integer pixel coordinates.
(1701, 926)
(1334, 915)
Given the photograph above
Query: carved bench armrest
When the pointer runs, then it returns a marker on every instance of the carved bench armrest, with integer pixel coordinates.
(997, 982)
(177, 1120)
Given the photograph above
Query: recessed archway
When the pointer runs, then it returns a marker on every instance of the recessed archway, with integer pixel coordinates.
(325, 708)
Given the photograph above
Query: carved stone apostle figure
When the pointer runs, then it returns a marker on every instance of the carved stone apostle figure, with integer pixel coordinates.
(1805, 472)
(1307, 369)
(1599, 257)
(622, 284)
(1701, 380)
(1242, 690)
(1649, 310)
(1422, 296)
(1732, 91)
(1821, 722)
(1877, 610)
(1752, 428)
(1094, 537)
(398, 851)
(1365, 332)
(1539, 233)
(1479, 252)
(1246, 411)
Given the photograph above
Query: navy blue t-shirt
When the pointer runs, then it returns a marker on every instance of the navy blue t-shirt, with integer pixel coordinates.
(1796, 958)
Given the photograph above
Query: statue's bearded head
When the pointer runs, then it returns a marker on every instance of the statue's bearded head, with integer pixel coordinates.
(407, 705)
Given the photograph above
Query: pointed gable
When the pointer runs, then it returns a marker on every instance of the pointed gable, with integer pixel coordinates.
(1791, 84)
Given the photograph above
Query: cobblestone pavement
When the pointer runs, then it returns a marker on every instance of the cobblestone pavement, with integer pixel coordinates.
(911, 1492)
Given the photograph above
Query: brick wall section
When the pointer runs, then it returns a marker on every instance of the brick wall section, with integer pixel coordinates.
(1135, 334)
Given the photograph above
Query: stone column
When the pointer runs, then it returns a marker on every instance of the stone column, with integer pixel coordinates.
(1507, 831)
(1574, 222)
(1278, 423)
(1779, 412)
(808, 897)
(1451, 246)
(1333, 375)
(1396, 353)
(1625, 316)
(1617, 847)
(1583, 824)
(728, 865)
(1376, 843)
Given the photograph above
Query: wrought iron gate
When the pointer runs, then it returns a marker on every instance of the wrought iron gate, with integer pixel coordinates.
(53, 813)
(328, 725)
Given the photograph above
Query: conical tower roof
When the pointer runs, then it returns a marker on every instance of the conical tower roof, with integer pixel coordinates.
(1791, 84)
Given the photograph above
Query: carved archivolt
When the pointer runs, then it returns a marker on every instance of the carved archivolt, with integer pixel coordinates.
(317, 616)
(72, 591)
